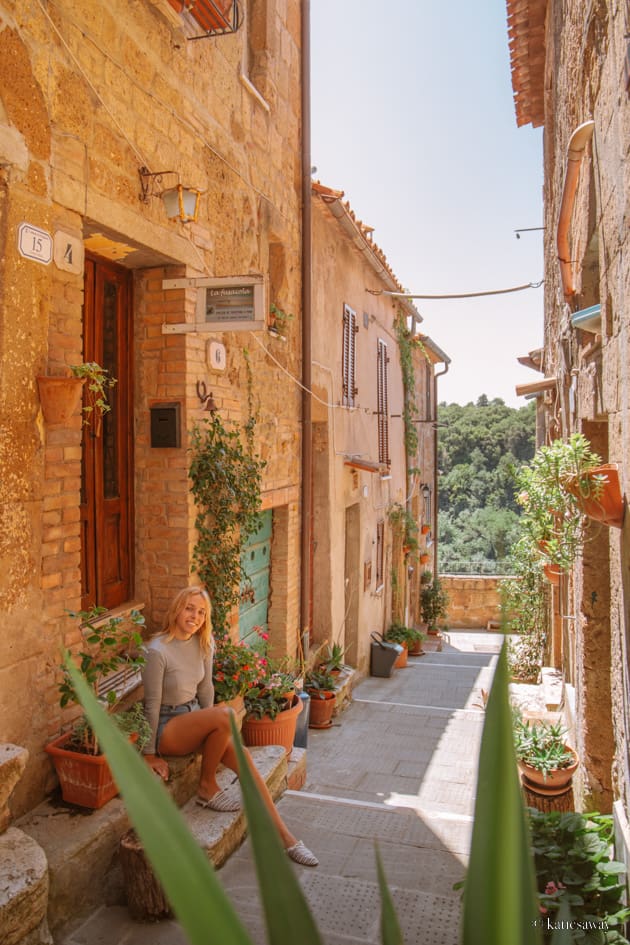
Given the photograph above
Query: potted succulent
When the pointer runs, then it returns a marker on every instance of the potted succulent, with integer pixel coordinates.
(110, 644)
(546, 762)
(271, 710)
(333, 660)
(434, 601)
(321, 688)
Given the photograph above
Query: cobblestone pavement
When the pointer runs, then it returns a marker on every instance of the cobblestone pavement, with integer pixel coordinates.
(398, 768)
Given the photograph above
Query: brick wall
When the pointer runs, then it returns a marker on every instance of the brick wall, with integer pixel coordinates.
(89, 93)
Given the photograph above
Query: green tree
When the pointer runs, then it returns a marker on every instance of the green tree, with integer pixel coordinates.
(479, 446)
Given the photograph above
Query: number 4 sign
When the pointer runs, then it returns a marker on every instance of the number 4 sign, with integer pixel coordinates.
(34, 243)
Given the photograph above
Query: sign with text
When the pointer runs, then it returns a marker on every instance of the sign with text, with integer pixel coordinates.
(34, 243)
(234, 303)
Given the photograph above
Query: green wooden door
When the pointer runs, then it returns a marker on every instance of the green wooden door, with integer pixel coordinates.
(256, 560)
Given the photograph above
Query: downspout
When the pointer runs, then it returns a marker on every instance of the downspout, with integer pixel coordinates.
(307, 451)
(435, 461)
(577, 145)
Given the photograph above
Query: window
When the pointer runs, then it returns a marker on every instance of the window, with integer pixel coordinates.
(350, 328)
(256, 56)
(382, 409)
(380, 553)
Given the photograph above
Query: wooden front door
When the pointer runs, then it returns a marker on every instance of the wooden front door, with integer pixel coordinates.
(106, 486)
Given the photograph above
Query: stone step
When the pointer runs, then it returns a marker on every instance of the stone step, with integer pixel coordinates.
(81, 846)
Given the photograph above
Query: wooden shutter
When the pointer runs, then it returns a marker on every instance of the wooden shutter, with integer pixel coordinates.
(380, 553)
(350, 329)
(382, 407)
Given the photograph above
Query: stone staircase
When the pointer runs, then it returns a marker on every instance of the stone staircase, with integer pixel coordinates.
(59, 862)
(81, 847)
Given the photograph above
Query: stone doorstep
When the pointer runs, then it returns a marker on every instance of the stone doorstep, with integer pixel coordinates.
(553, 688)
(82, 846)
(346, 681)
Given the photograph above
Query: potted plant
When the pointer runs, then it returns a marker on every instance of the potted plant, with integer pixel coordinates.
(60, 396)
(278, 320)
(556, 488)
(321, 688)
(404, 526)
(408, 637)
(236, 668)
(426, 577)
(333, 661)
(271, 711)
(598, 494)
(110, 644)
(546, 762)
(434, 601)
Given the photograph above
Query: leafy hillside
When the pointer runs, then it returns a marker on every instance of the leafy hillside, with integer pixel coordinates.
(477, 445)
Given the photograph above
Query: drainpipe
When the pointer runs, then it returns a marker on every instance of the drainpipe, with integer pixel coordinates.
(307, 451)
(577, 145)
(435, 463)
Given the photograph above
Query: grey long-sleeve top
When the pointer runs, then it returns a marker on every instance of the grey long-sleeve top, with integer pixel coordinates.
(175, 671)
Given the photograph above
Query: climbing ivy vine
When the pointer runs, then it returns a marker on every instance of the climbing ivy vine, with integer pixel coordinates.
(406, 343)
(226, 481)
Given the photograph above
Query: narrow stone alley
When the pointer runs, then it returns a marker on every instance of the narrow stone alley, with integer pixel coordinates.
(398, 768)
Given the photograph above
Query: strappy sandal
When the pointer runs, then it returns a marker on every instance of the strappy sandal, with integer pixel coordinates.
(222, 801)
(301, 854)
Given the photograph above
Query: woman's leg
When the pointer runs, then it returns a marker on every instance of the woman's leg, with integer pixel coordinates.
(207, 730)
(230, 761)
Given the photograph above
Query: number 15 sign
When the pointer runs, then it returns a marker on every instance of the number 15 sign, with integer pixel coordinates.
(34, 243)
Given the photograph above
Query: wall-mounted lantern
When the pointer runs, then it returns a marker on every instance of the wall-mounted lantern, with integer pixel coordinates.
(180, 202)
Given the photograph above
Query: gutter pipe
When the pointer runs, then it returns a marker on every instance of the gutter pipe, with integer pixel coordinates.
(437, 374)
(577, 145)
(307, 449)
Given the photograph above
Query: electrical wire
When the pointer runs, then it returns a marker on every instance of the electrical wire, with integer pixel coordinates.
(462, 295)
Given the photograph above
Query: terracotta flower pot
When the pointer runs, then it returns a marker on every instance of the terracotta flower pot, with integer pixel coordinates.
(401, 660)
(268, 731)
(322, 707)
(552, 572)
(556, 782)
(59, 397)
(85, 780)
(238, 705)
(415, 649)
(609, 506)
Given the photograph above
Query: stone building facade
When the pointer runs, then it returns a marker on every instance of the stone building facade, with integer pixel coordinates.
(365, 465)
(571, 74)
(90, 94)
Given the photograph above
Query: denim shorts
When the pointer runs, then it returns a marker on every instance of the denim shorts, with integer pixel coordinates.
(168, 712)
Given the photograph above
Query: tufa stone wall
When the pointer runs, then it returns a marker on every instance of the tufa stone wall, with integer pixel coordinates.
(474, 600)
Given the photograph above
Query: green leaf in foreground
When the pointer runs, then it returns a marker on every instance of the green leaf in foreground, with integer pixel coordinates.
(287, 913)
(192, 887)
(500, 904)
(390, 929)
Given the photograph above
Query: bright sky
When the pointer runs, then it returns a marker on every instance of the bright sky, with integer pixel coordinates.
(413, 118)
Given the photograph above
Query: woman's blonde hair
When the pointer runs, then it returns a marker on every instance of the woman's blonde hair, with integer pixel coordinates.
(177, 605)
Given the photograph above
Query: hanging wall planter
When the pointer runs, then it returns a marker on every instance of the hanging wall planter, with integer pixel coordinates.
(59, 397)
(552, 573)
(599, 494)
